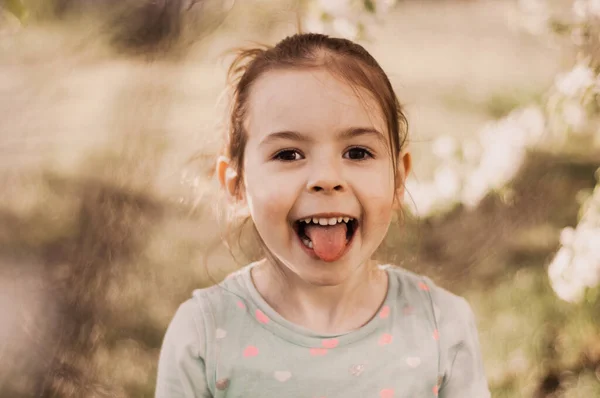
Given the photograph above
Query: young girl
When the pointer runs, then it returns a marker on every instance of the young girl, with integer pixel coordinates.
(316, 154)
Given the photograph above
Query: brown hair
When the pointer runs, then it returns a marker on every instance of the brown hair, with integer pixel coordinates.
(342, 57)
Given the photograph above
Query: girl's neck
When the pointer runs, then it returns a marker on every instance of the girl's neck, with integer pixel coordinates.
(327, 310)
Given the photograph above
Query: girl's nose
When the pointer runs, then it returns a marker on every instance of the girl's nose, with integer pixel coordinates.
(326, 179)
(325, 186)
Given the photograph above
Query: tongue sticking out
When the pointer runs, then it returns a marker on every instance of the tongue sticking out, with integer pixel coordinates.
(329, 241)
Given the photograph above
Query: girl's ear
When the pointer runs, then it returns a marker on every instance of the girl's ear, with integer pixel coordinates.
(228, 178)
(404, 168)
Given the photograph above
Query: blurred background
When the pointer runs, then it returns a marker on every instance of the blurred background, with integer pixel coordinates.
(110, 121)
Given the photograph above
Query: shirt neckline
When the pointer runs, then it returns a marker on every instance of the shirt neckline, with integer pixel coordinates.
(302, 336)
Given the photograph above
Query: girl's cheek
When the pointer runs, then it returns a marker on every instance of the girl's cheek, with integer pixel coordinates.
(269, 191)
(379, 180)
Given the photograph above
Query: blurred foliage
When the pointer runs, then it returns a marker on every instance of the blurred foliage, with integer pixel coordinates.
(146, 28)
(16, 8)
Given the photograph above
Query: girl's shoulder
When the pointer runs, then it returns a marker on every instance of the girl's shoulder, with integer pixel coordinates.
(223, 299)
(420, 290)
(196, 319)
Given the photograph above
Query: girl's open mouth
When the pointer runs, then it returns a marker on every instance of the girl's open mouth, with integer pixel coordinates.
(326, 237)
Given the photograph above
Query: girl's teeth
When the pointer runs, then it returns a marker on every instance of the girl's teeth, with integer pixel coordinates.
(326, 221)
(307, 243)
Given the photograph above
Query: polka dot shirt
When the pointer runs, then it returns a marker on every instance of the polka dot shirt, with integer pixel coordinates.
(226, 341)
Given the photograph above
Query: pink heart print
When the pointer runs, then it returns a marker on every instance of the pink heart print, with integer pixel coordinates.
(241, 305)
(261, 317)
(330, 343)
(316, 352)
(385, 312)
(385, 338)
(423, 286)
(250, 351)
(386, 393)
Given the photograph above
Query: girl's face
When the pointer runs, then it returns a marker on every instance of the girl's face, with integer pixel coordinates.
(316, 151)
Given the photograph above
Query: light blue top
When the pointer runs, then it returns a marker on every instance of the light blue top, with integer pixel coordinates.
(226, 341)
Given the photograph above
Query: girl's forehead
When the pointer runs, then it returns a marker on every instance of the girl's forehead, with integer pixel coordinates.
(309, 101)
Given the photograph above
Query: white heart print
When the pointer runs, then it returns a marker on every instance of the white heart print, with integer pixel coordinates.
(356, 370)
(413, 362)
(220, 333)
(282, 375)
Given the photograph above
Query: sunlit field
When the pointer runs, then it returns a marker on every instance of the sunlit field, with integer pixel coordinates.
(109, 213)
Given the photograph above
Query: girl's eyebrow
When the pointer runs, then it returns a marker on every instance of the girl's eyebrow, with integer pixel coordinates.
(345, 134)
(354, 132)
(284, 135)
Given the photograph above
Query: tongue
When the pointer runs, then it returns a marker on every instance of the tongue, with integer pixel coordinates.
(328, 241)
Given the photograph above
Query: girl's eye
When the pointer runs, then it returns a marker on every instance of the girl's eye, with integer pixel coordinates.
(358, 153)
(288, 155)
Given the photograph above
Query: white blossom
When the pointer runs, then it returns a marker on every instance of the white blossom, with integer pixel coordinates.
(447, 182)
(566, 236)
(444, 147)
(421, 196)
(503, 148)
(576, 81)
(594, 7)
(532, 121)
(580, 9)
(346, 18)
(576, 265)
(533, 6)
(562, 282)
(383, 6)
(335, 7)
(345, 28)
(487, 164)
(535, 15)
(574, 115)
(585, 9)
(314, 25)
(476, 188)
(471, 150)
